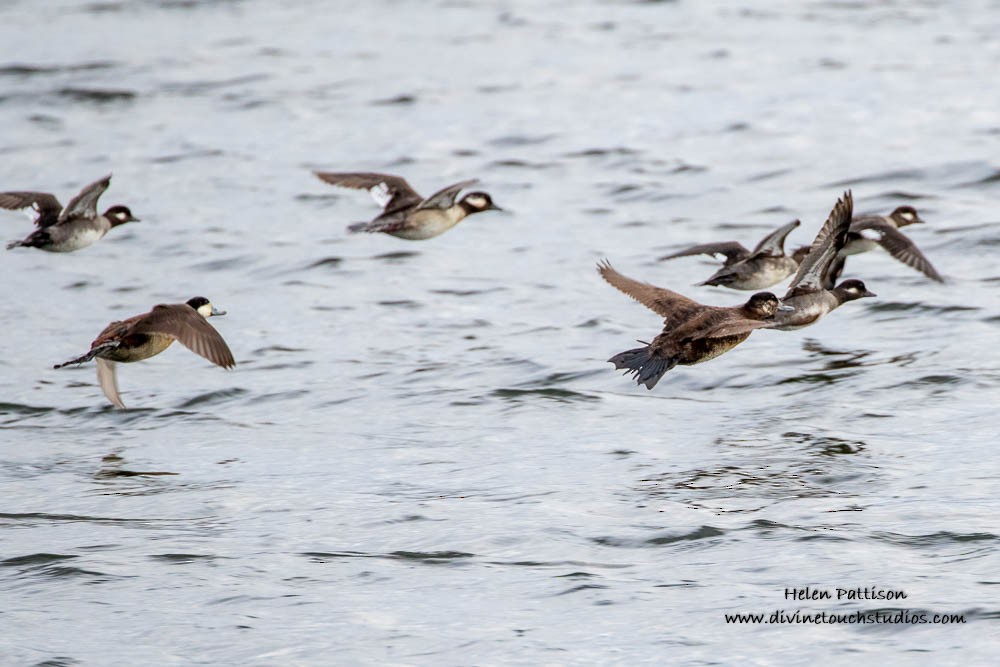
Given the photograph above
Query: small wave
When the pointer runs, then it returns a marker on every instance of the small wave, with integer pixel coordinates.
(521, 164)
(522, 140)
(395, 101)
(558, 395)
(431, 557)
(893, 175)
(467, 292)
(395, 256)
(940, 538)
(130, 473)
(182, 558)
(700, 533)
(916, 306)
(32, 70)
(401, 303)
(618, 151)
(580, 588)
(96, 95)
(208, 398)
(326, 261)
(35, 559)
(180, 157)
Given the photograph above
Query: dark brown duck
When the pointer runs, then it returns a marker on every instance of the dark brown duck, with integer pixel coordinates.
(692, 332)
(144, 336)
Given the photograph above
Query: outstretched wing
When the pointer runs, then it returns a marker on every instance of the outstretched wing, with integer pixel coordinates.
(108, 380)
(814, 269)
(390, 192)
(84, 205)
(773, 245)
(735, 328)
(673, 307)
(184, 324)
(445, 197)
(902, 248)
(45, 207)
(732, 250)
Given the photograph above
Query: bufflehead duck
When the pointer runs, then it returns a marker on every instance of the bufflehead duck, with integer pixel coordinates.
(407, 215)
(812, 293)
(868, 232)
(765, 265)
(71, 228)
(144, 336)
(692, 332)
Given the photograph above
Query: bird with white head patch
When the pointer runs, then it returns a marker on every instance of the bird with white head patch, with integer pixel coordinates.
(146, 335)
(406, 214)
(69, 228)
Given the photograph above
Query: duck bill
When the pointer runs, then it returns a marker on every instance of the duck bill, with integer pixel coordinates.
(494, 207)
(785, 309)
(217, 312)
(869, 293)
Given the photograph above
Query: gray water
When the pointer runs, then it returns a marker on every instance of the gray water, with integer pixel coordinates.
(422, 457)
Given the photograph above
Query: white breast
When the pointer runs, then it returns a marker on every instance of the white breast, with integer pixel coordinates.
(80, 238)
(428, 223)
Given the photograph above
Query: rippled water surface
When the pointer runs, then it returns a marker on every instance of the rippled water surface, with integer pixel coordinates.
(422, 457)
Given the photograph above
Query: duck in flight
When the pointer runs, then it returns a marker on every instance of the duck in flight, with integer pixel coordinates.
(692, 332)
(144, 336)
(812, 293)
(764, 266)
(69, 228)
(868, 232)
(406, 214)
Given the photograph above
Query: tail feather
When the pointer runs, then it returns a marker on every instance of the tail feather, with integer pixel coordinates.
(643, 364)
(94, 351)
(359, 227)
(15, 244)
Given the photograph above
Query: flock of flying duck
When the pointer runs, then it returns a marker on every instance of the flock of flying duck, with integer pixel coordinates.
(692, 332)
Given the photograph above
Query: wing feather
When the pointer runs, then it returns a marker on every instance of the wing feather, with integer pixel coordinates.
(45, 205)
(445, 197)
(193, 331)
(732, 250)
(902, 248)
(108, 379)
(390, 192)
(773, 245)
(84, 205)
(813, 270)
(673, 307)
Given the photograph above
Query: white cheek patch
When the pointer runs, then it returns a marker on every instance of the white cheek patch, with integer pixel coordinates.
(381, 194)
(120, 216)
(205, 310)
(906, 216)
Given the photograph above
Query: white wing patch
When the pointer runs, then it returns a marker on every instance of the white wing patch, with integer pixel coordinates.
(381, 194)
(34, 212)
(871, 234)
